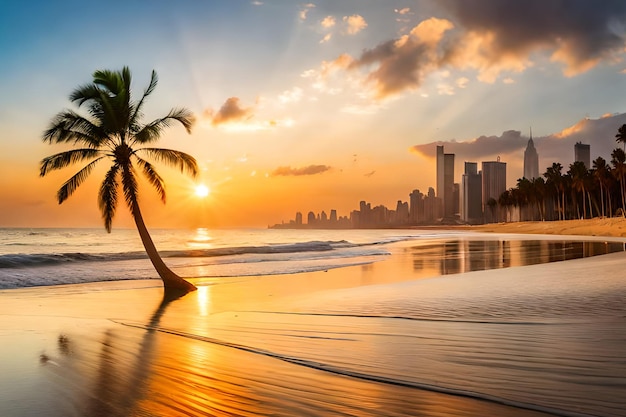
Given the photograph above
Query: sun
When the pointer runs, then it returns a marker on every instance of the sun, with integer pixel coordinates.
(202, 190)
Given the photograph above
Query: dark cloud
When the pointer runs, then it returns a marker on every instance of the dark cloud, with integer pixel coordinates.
(308, 170)
(557, 147)
(230, 111)
(492, 36)
(577, 32)
(403, 63)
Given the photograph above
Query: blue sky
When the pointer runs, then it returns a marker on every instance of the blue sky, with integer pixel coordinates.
(363, 88)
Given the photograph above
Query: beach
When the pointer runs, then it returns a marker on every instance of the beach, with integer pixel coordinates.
(411, 327)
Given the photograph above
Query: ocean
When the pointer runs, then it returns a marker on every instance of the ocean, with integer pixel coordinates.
(39, 257)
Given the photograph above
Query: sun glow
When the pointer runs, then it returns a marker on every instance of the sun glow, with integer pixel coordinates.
(202, 190)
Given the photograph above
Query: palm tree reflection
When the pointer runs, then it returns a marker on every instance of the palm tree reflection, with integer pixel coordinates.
(117, 392)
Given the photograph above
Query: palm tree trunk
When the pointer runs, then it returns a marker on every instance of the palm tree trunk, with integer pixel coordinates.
(171, 281)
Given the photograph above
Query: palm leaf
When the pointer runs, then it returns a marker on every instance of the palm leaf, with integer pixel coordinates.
(68, 126)
(68, 188)
(154, 79)
(64, 159)
(177, 159)
(153, 177)
(152, 131)
(107, 196)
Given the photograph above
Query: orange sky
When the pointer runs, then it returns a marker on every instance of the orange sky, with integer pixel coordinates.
(312, 106)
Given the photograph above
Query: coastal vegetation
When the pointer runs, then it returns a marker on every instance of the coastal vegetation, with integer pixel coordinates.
(113, 130)
(579, 193)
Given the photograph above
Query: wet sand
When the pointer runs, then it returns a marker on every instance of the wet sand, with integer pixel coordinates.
(295, 345)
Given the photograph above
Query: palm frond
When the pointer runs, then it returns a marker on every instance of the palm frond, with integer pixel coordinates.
(64, 159)
(85, 93)
(130, 186)
(177, 159)
(68, 188)
(69, 126)
(107, 196)
(137, 112)
(153, 177)
(152, 131)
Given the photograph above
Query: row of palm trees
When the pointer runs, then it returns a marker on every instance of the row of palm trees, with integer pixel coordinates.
(575, 194)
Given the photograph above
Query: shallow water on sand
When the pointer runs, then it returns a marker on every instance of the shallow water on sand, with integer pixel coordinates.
(534, 340)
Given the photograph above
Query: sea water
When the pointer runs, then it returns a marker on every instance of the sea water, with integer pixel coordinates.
(38, 257)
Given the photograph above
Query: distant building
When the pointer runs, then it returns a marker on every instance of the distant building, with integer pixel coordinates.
(494, 184)
(445, 181)
(432, 206)
(582, 153)
(471, 194)
(416, 207)
(531, 160)
(299, 219)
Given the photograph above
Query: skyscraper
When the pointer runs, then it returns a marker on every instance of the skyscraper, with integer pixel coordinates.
(471, 182)
(445, 181)
(531, 160)
(494, 184)
(582, 152)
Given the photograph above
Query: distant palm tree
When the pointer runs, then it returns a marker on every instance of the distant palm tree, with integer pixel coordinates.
(618, 160)
(113, 130)
(578, 172)
(600, 174)
(554, 177)
(621, 135)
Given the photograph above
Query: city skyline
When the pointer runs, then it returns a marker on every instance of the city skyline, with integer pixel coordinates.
(474, 191)
(315, 104)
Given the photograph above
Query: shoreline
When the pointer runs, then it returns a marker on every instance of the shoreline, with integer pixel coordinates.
(608, 227)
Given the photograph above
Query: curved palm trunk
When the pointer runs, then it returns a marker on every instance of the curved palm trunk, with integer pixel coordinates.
(172, 282)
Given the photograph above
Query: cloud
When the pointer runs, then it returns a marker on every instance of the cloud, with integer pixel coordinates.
(328, 22)
(291, 96)
(257, 3)
(326, 38)
(355, 23)
(401, 64)
(579, 34)
(233, 117)
(308, 170)
(556, 147)
(304, 11)
(230, 111)
(404, 11)
(493, 37)
(462, 82)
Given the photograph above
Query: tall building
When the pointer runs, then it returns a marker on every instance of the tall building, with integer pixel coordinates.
(472, 192)
(494, 184)
(582, 152)
(416, 207)
(531, 160)
(445, 181)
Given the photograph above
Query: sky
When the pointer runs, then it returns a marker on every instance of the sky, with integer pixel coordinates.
(310, 106)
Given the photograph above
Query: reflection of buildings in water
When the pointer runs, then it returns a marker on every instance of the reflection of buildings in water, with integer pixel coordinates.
(457, 256)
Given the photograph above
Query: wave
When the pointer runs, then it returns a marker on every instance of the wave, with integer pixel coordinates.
(42, 259)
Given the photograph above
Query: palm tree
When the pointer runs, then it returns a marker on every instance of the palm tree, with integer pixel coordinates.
(618, 159)
(554, 177)
(113, 130)
(621, 135)
(578, 172)
(600, 172)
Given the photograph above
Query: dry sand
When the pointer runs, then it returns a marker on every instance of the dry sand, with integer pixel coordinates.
(611, 227)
